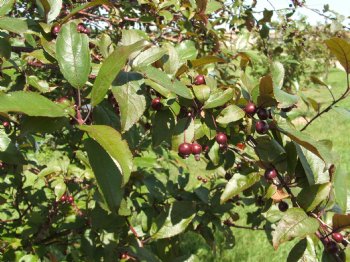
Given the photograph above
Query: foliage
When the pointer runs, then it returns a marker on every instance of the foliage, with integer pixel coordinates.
(127, 125)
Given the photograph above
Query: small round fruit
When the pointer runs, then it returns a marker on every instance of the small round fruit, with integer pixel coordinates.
(199, 80)
(270, 174)
(250, 108)
(6, 124)
(283, 206)
(261, 127)
(240, 145)
(196, 148)
(337, 237)
(332, 247)
(221, 138)
(156, 104)
(87, 31)
(199, 178)
(185, 149)
(204, 180)
(63, 198)
(81, 28)
(70, 199)
(55, 30)
(262, 113)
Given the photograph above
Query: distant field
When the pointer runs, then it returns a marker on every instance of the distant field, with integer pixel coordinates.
(252, 246)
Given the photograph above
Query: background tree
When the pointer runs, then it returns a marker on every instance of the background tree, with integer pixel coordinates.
(126, 125)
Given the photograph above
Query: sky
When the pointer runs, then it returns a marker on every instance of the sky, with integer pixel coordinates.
(340, 6)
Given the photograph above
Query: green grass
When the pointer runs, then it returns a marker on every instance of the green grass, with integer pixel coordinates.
(254, 245)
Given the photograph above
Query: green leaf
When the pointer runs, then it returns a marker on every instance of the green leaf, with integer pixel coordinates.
(41, 85)
(283, 98)
(4, 140)
(182, 132)
(237, 184)
(219, 98)
(6, 6)
(31, 104)
(310, 197)
(115, 146)
(5, 48)
(172, 63)
(306, 141)
(111, 68)
(341, 187)
(85, 6)
(206, 60)
(163, 79)
(295, 223)
(202, 92)
(277, 71)
(304, 251)
(59, 188)
(143, 254)
(73, 55)
(179, 216)
(231, 113)
(15, 25)
(341, 221)
(131, 98)
(149, 56)
(163, 123)
(55, 9)
(315, 169)
(186, 50)
(341, 49)
(270, 150)
(107, 174)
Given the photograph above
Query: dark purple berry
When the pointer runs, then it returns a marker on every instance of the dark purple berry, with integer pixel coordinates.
(270, 174)
(261, 127)
(262, 113)
(55, 30)
(283, 206)
(196, 148)
(332, 247)
(250, 108)
(185, 149)
(221, 138)
(199, 80)
(337, 237)
(156, 104)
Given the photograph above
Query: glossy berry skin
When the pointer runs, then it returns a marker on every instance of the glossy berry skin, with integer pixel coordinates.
(262, 113)
(332, 247)
(81, 28)
(196, 148)
(337, 237)
(221, 138)
(199, 80)
(70, 199)
(204, 180)
(185, 149)
(270, 174)
(261, 127)
(63, 198)
(156, 104)
(87, 31)
(199, 178)
(6, 124)
(55, 30)
(250, 109)
(283, 206)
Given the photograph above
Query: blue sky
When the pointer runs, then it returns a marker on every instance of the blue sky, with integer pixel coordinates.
(340, 6)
